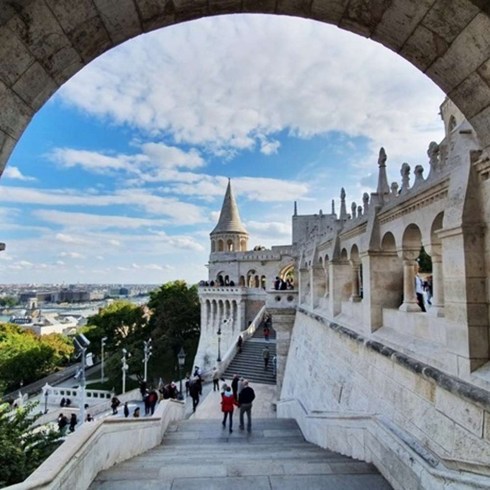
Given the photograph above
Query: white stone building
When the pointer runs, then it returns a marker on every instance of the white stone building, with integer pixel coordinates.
(360, 366)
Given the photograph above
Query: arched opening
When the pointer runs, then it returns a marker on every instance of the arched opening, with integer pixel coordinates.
(413, 300)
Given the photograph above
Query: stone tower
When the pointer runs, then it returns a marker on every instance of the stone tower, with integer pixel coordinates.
(229, 235)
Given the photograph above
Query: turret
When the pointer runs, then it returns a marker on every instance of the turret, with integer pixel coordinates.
(229, 235)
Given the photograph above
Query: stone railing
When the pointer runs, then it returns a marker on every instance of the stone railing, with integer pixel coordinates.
(57, 393)
(282, 299)
(373, 438)
(246, 334)
(98, 445)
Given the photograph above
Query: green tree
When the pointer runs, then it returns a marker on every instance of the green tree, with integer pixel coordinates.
(26, 357)
(23, 447)
(171, 320)
(8, 301)
(425, 262)
(174, 323)
(125, 325)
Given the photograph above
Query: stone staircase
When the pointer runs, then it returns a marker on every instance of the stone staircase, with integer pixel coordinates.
(249, 364)
(201, 455)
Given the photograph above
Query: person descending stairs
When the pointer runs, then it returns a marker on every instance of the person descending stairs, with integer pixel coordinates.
(249, 363)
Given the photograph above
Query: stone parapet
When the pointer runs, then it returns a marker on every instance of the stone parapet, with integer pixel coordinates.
(281, 299)
(413, 408)
(99, 445)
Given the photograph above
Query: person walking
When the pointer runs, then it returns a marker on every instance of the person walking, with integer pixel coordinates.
(215, 379)
(266, 356)
(228, 403)
(234, 386)
(239, 344)
(245, 399)
(73, 422)
(195, 391)
(126, 410)
(114, 404)
(62, 423)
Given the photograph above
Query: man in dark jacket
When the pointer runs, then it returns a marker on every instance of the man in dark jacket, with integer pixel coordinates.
(245, 399)
(195, 389)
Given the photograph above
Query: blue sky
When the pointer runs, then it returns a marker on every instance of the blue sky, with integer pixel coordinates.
(120, 176)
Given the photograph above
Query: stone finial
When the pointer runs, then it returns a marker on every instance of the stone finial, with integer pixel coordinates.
(394, 189)
(365, 202)
(333, 206)
(433, 152)
(405, 173)
(359, 211)
(353, 208)
(343, 209)
(383, 188)
(295, 213)
(320, 212)
(418, 171)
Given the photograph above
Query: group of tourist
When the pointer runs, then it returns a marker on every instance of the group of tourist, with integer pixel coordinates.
(283, 285)
(241, 395)
(64, 422)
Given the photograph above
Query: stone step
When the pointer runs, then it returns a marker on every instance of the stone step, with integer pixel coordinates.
(250, 363)
(199, 454)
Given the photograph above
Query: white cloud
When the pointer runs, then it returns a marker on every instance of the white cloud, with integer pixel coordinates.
(72, 255)
(14, 173)
(93, 221)
(273, 228)
(237, 79)
(177, 211)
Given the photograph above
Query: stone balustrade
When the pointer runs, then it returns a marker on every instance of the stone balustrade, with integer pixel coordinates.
(99, 445)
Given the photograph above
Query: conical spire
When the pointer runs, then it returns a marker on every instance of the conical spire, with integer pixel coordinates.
(229, 218)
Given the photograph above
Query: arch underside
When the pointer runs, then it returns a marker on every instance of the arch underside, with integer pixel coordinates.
(45, 42)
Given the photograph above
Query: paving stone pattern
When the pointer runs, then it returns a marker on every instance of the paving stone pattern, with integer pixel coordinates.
(201, 455)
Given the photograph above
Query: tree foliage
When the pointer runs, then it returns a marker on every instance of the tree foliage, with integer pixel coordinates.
(8, 301)
(26, 357)
(425, 262)
(23, 447)
(171, 320)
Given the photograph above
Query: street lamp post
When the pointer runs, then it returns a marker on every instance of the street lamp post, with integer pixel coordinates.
(46, 394)
(81, 344)
(181, 359)
(124, 368)
(219, 344)
(147, 352)
(102, 345)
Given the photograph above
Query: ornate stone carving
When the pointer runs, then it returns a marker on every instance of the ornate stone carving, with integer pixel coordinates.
(405, 173)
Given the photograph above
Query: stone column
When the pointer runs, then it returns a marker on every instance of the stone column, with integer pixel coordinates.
(409, 296)
(282, 322)
(241, 314)
(317, 291)
(327, 277)
(204, 314)
(302, 285)
(340, 284)
(437, 308)
(355, 296)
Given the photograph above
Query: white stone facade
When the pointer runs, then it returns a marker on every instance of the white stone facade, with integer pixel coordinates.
(360, 366)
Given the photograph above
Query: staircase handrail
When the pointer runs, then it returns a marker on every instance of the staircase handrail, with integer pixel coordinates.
(76, 463)
(246, 334)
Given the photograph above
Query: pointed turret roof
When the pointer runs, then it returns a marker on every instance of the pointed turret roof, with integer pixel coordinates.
(229, 218)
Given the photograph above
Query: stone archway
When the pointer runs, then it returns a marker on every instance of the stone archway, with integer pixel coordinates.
(45, 42)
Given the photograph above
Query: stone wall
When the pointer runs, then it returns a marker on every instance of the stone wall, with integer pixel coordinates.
(361, 398)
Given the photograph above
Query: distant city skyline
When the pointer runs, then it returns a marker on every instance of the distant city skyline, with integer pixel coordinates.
(120, 177)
